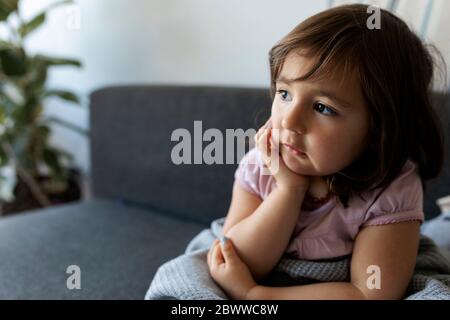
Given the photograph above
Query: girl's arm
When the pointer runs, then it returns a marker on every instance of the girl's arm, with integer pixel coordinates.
(392, 248)
(261, 238)
(242, 205)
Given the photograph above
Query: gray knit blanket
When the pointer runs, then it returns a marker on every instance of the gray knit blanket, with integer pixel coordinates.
(187, 276)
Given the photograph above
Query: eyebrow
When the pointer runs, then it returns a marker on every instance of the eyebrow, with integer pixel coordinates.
(321, 92)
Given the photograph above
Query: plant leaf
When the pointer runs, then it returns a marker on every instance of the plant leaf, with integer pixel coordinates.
(54, 61)
(3, 156)
(39, 19)
(68, 125)
(63, 94)
(19, 144)
(37, 75)
(5, 44)
(44, 132)
(32, 25)
(6, 102)
(12, 93)
(53, 158)
(13, 61)
(6, 7)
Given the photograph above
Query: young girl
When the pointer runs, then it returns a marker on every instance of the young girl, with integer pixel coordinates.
(356, 134)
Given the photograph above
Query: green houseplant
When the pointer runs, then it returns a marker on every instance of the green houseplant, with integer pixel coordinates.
(29, 165)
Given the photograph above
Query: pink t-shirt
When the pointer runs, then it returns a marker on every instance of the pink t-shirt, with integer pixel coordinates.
(330, 230)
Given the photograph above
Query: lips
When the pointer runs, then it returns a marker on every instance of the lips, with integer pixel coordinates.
(295, 150)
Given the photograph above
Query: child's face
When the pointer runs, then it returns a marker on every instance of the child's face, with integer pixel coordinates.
(330, 139)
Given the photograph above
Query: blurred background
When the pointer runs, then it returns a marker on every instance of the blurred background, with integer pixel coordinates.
(204, 42)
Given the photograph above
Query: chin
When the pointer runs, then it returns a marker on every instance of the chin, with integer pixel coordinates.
(294, 163)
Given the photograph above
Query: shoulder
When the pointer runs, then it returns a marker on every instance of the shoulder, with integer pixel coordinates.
(251, 158)
(401, 201)
(251, 174)
(250, 165)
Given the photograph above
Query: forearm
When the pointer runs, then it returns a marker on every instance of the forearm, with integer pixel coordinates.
(318, 291)
(261, 238)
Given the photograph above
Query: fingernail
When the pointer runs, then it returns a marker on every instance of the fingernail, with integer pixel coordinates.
(224, 240)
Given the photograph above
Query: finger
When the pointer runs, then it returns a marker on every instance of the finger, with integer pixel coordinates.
(269, 141)
(217, 257)
(277, 162)
(228, 251)
(208, 256)
(265, 126)
(274, 141)
(258, 135)
(263, 142)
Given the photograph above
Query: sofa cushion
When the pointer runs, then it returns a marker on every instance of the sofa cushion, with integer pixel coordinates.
(117, 248)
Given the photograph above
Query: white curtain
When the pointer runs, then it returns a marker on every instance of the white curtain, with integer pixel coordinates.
(428, 18)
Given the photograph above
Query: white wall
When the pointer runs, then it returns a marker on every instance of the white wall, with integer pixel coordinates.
(214, 42)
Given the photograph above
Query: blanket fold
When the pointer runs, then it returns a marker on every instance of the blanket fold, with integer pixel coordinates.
(187, 276)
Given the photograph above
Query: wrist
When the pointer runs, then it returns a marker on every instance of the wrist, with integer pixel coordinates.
(293, 190)
(252, 294)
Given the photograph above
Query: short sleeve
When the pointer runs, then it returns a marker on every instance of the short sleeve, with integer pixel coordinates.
(401, 201)
(248, 172)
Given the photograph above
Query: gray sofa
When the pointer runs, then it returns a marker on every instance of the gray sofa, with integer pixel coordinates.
(144, 208)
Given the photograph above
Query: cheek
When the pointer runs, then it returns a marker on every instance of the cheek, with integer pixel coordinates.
(335, 151)
(322, 146)
(274, 111)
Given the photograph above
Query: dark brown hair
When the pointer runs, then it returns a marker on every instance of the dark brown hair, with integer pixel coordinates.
(395, 71)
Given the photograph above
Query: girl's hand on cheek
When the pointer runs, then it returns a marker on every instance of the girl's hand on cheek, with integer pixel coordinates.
(229, 271)
(271, 155)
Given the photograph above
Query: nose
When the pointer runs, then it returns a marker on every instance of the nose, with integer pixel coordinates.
(295, 119)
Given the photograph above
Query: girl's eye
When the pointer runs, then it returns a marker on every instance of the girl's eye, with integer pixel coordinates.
(283, 94)
(322, 107)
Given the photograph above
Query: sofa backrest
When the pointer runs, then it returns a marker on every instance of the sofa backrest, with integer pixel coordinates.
(131, 129)
(131, 145)
(440, 186)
